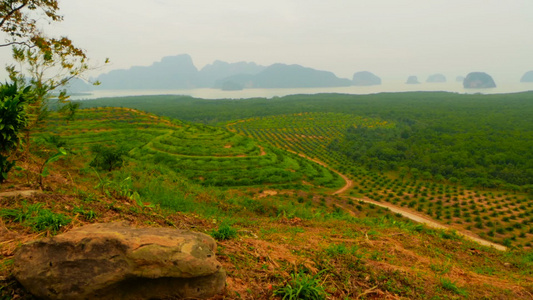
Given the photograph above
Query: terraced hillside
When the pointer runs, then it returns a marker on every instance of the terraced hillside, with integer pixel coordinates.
(504, 217)
(207, 155)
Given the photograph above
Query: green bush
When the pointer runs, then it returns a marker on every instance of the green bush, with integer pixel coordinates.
(224, 232)
(13, 120)
(107, 158)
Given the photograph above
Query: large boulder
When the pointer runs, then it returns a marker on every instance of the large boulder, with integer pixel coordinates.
(365, 78)
(478, 80)
(115, 261)
(412, 80)
(527, 77)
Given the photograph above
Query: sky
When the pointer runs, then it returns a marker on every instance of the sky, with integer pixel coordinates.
(391, 38)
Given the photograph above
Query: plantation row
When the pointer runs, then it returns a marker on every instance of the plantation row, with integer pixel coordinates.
(307, 133)
(499, 216)
(502, 217)
(207, 155)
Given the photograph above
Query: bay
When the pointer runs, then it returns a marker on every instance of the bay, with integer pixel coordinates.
(387, 87)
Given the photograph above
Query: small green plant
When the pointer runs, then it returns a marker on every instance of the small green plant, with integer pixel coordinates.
(21, 215)
(121, 187)
(449, 235)
(69, 110)
(224, 232)
(88, 215)
(48, 220)
(450, 285)
(302, 286)
(340, 249)
(441, 268)
(34, 216)
(43, 172)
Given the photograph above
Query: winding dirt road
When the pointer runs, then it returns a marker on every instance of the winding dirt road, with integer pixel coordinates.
(429, 222)
(406, 212)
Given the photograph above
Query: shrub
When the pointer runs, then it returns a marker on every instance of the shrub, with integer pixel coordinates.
(107, 158)
(224, 232)
(13, 119)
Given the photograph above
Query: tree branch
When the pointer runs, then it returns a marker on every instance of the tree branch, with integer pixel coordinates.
(9, 14)
(17, 43)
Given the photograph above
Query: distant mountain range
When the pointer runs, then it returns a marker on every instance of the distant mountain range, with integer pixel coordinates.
(179, 72)
(283, 76)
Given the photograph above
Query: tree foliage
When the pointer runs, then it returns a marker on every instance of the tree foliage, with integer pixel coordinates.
(107, 158)
(45, 63)
(40, 63)
(13, 120)
(18, 19)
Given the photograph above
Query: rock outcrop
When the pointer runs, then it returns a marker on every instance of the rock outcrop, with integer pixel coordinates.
(287, 76)
(528, 77)
(218, 70)
(436, 78)
(114, 261)
(365, 78)
(412, 80)
(172, 72)
(478, 80)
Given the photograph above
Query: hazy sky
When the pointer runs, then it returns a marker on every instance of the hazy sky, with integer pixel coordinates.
(392, 38)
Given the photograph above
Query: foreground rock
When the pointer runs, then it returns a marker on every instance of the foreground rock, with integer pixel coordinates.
(365, 78)
(114, 261)
(478, 80)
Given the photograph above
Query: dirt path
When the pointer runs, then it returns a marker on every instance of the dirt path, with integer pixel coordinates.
(430, 222)
(403, 211)
(230, 128)
(347, 186)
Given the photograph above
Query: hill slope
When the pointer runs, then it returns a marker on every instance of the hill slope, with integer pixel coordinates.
(299, 233)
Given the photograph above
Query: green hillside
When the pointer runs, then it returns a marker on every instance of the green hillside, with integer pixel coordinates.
(207, 155)
(500, 216)
(277, 223)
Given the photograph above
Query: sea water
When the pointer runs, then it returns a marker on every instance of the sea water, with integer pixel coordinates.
(386, 87)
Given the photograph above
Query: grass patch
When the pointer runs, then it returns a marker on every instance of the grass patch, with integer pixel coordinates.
(302, 286)
(451, 286)
(34, 216)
